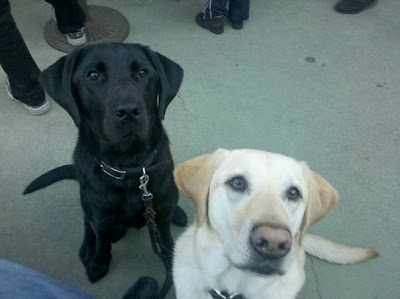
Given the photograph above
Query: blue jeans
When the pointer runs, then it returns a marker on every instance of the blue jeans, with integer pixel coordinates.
(19, 282)
(238, 9)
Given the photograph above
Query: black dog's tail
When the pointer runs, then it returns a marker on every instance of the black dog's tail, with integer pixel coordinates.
(57, 174)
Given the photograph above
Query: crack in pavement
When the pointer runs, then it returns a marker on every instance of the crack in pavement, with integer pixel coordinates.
(316, 277)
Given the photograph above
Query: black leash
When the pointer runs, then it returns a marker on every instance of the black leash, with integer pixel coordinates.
(155, 238)
(149, 214)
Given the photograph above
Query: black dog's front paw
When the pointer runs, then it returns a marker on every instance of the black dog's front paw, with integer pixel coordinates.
(96, 271)
(144, 288)
(179, 217)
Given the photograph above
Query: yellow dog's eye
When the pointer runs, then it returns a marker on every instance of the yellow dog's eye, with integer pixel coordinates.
(93, 75)
(238, 183)
(293, 193)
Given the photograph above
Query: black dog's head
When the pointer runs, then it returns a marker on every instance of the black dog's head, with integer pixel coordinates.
(116, 90)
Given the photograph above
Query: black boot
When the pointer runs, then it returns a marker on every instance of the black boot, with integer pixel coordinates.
(215, 25)
(237, 25)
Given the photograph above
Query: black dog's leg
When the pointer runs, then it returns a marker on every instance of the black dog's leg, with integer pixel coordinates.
(88, 246)
(179, 217)
(98, 265)
(95, 252)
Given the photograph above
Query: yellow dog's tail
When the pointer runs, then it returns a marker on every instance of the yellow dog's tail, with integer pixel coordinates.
(336, 253)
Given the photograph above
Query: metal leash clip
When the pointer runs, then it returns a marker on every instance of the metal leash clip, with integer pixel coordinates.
(144, 181)
(147, 197)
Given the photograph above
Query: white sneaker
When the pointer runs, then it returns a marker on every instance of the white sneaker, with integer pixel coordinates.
(35, 110)
(77, 38)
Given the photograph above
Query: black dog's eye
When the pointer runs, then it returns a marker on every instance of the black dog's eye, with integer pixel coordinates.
(238, 183)
(93, 75)
(293, 193)
(142, 73)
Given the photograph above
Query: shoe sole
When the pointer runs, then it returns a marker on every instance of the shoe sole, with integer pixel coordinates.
(237, 27)
(42, 109)
(39, 110)
(76, 42)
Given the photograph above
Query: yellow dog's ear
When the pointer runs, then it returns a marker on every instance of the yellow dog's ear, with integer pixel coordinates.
(193, 179)
(322, 198)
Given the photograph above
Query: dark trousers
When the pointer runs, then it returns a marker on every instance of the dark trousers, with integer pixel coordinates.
(17, 62)
(69, 14)
(238, 9)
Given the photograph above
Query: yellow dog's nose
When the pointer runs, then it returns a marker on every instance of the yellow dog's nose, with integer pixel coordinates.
(271, 241)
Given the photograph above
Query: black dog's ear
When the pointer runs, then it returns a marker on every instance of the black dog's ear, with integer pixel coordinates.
(170, 74)
(57, 82)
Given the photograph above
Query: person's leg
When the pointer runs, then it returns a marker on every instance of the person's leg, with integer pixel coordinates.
(215, 8)
(69, 14)
(17, 62)
(70, 20)
(238, 12)
(212, 17)
(17, 281)
(353, 6)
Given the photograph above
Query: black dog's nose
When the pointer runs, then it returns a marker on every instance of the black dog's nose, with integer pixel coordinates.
(124, 111)
(271, 241)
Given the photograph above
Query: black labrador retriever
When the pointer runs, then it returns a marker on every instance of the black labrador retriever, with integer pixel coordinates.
(117, 95)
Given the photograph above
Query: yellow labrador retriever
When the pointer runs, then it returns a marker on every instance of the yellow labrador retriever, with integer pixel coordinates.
(249, 240)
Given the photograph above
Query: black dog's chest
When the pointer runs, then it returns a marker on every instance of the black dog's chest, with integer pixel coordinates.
(130, 205)
(129, 200)
(134, 211)
(113, 201)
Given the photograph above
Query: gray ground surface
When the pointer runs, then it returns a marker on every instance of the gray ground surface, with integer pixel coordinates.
(299, 79)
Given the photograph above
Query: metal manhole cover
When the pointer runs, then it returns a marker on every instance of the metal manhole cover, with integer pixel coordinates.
(105, 25)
